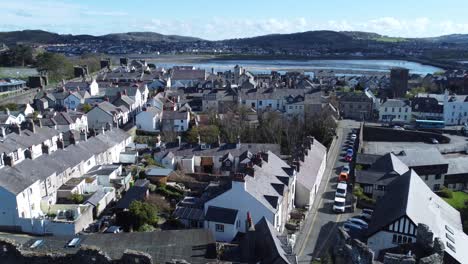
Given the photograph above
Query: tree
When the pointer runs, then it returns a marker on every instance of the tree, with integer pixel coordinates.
(142, 213)
(77, 198)
(19, 55)
(86, 108)
(9, 106)
(57, 66)
(208, 134)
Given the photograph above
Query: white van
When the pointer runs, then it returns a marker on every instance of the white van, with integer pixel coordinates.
(339, 205)
(341, 189)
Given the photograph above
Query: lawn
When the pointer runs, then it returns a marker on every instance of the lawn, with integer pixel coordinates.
(16, 72)
(458, 200)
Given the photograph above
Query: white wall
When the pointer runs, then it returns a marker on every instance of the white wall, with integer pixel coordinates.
(229, 233)
(238, 198)
(8, 205)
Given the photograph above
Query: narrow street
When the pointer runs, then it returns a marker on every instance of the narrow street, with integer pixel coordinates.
(320, 225)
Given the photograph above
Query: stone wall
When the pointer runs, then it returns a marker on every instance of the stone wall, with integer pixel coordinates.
(372, 133)
(348, 250)
(11, 253)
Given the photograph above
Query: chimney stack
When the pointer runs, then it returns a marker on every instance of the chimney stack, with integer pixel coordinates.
(32, 126)
(158, 142)
(3, 132)
(16, 128)
(103, 130)
(84, 135)
(248, 247)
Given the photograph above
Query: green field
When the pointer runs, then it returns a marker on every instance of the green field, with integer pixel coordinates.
(458, 200)
(16, 72)
(390, 39)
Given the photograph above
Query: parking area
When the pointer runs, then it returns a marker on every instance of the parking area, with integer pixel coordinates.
(322, 222)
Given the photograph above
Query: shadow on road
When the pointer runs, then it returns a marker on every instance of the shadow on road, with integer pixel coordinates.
(326, 237)
(329, 195)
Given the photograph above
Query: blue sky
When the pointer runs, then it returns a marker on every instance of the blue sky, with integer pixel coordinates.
(236, 18)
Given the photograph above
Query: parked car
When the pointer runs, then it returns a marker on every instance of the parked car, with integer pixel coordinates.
(364, 217)
(345, 169)
(353, 136)
(368, 211)
(348, 226)
(348, 158)
(341, 189)
(343, 177)
(434, 141)
(114, 230)
(358, 221)
(339, 205)
(398, 128)
(355, 231)
(349, 152)
(75, 242)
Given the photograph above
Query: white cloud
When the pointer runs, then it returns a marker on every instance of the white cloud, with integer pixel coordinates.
(65, 17)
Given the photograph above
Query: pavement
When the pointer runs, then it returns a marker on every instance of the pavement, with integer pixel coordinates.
(319, 229)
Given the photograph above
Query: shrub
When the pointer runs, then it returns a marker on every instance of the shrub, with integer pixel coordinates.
(152, 187)
(146, 228)
(446, 193)
(77, 198)
(142, 213)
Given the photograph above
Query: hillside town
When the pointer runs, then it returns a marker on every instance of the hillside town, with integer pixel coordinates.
(139, 163)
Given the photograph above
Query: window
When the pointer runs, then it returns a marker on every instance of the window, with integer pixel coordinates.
(260, 103)
(410, 240)
(436, 187)
(438, 176)
(405, 240)
(399, 110)
(253, 105)
(399, 239)
(181, 121)
(219, 228)
(394, 239)
(406, 110)
(381, 187)
(426, 177)
(393, 109)
(386, 110)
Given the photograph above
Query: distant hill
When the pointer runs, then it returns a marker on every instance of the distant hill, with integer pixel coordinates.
(454, 38)
(45, 37)
(303, 39)
(29, 36)
(149, 36)
(335, 39)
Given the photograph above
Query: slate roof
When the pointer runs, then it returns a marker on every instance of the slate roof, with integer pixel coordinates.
(195, 150)
(388, 163)
(458, 165)
(221, 215)
(269, 247)
(27, 139)
(183, 74)
(408, 195)
(310, 167)
(395, 103)
(22, 175)
(421, 157)
(174, 115)
(262, 185)
(158, 172)
(135, 193)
